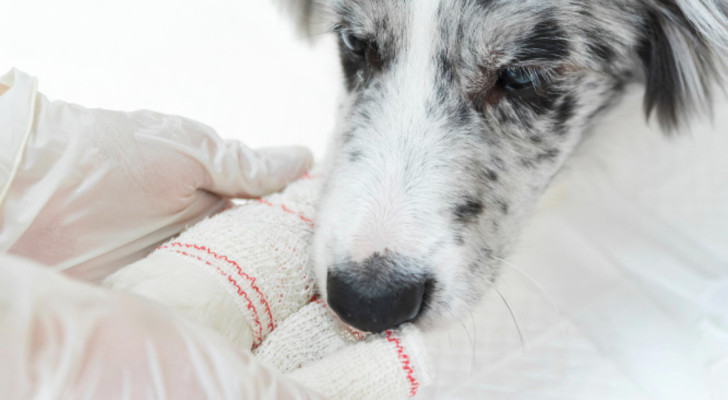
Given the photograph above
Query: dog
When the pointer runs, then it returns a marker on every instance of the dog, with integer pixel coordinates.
(458, 114)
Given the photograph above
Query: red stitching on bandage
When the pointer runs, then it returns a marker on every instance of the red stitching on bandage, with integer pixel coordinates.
(241, 292)
(242, 274)
(405, 362)
(289, 211)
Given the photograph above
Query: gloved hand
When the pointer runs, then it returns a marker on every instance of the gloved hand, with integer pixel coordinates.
(245, 273)
(90, 190)
(63, 339)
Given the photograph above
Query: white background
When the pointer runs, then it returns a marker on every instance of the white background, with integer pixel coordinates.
(631, 242)
(236, 65)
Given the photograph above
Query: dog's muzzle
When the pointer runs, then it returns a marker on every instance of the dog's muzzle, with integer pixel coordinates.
(376, 294)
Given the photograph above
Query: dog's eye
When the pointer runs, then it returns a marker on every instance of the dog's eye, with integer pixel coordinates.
(529, 84)
(517, 79)
(360, 57)
(353, 43)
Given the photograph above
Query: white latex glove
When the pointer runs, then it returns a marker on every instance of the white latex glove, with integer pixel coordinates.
(88, 191)
(61, 339)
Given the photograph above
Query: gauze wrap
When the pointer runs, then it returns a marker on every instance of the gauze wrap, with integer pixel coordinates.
(245, 272)
(241, 271)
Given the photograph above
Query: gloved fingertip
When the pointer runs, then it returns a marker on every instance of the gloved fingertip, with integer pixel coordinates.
(289, 162)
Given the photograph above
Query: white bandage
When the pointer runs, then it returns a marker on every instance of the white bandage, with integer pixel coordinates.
(241, 271)
(245, 273)
(392, 365)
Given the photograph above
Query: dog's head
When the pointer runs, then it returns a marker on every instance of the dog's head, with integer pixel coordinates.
(459, 113)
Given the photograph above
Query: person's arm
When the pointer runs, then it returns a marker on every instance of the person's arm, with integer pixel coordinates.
(3, 88)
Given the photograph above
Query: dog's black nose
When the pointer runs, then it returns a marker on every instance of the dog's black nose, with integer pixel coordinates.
(376, 299)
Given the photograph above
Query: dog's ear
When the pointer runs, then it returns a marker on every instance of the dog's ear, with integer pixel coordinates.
(305, 15)
(683, 52)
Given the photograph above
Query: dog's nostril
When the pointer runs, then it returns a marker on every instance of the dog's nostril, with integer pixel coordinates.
(374, 307)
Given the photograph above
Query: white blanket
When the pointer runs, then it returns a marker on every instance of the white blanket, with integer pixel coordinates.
(631, 246)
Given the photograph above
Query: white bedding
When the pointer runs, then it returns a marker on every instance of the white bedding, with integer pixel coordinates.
(632, 246)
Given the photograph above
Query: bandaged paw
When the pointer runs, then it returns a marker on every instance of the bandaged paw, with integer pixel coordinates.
(245, 273)
(316, 349)
(240, 272)
(392, 365)
(308, 335)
